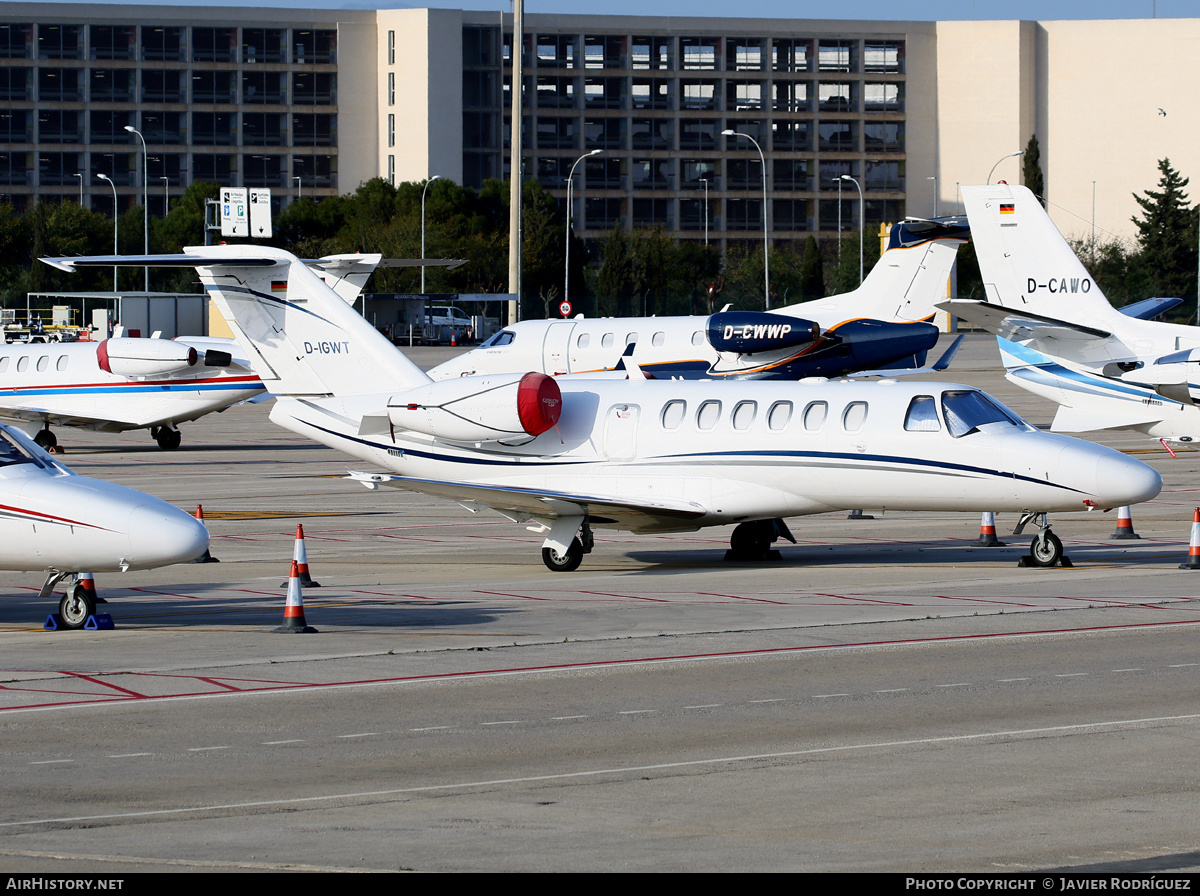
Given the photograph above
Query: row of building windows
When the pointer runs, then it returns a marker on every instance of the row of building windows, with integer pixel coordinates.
(600, 213)
(159, 43)
(129, 85)
(717, 175)
(19, 126)
(687, 53)
(246, 169)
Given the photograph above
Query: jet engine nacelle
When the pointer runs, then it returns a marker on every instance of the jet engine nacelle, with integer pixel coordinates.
(749, 332)
(508, 408)
(124, 356)
(1169, 375)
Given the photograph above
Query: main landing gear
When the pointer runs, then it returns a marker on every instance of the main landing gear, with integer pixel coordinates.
(752, 541)
(558, 560)
(168, 437)
(46, 439)
(1046, 549)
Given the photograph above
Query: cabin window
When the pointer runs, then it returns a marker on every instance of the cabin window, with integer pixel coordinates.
(3, 364)
(631, 339)
(967, 411)
(673, 413)
(584, 340)
(504, 337)
(62, 362)
(780, 415)
(43, 363)
(698, 338)
(708, 415)
(659, 338)
(606, 340)
(814, 415)
(922, 415)
(23, 363)
(854, 416)
(743, 414)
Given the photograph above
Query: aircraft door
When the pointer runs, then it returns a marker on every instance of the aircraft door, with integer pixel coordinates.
(555, 355)
(620, 432)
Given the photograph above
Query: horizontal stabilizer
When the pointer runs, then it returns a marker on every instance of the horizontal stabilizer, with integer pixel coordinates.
(1087, 420)
(72, 263)
(1015, 325)
(1148, 309)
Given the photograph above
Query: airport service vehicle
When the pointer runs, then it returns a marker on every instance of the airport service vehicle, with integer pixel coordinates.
(1060, 338)
(573, 453)
(884, 323)
(56, 520)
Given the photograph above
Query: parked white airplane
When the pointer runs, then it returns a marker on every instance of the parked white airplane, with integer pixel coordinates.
(56, 520)
(118, 384)
(883, 323)
(1059, 336)
(574, 453)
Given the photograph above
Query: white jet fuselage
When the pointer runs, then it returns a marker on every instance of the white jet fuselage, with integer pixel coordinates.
(742, 451)
(52, 518)
(63, 384)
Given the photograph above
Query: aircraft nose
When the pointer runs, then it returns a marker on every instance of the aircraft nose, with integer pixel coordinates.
(1122, 480)
(161, 535)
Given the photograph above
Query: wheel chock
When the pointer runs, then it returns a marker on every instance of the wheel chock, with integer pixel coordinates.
(53, 623)
(99, 622)
(1026, 562)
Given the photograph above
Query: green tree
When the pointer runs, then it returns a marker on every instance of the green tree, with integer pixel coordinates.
(1031, 170)
(1167, 235)
(812, 271)
(616, 282)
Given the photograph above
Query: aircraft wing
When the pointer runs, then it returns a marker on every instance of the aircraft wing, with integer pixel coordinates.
(520, 504)
(1089, 419)
(936, 367)
(1017, 325)
(1148, 309)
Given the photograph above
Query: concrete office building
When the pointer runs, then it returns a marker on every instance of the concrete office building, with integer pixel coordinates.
(315, 102)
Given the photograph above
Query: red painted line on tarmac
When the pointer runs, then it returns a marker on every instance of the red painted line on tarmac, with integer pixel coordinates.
(166, 593)
(865, 600)
(602, 664)
(506, 594)
(393, 594)
(656, 600)
(757, 600)
(102, 684)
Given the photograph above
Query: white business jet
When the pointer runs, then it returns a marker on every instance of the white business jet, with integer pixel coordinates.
(884, 323)
(574, 453)
(1060, 338)
(55, 520)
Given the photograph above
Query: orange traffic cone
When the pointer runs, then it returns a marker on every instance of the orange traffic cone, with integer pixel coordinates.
(300, 556)
(987, 532)
(206, 557)
(1193, 560)
(293, 613)
(1124, 524)
(88, 581)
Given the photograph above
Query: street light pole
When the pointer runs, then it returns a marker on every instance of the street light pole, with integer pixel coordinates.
(145, 197)
(729, 132)
(1011, 155)
(299, 188)
(934, 179)
(80, 176)
(567, 255)
(115, 250)
(166, 195)
(427, 183)
(705, 179)
(862, 223)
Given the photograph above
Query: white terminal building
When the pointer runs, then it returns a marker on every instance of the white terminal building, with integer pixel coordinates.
(314, 102)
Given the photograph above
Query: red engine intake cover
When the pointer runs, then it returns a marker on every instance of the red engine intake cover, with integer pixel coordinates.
(539, 403)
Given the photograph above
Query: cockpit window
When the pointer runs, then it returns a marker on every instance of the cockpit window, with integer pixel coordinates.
(922, 415)
(967, 411)
(12, 452)
(504, 337)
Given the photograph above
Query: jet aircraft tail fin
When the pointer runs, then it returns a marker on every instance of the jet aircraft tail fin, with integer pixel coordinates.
(908, 279)
(1026, 263)
(300, 336)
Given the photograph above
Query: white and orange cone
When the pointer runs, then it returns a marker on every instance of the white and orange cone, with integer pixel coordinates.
(300, 556)
(1124, 524)
(293, 614)
(1193, 560)
(206, 557)
(987, 532)
(88, 581)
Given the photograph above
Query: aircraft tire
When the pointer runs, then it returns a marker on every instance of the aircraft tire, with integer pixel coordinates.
(75, 607)
(568, 562)
(46, 439)
(168, 439)
(1046, 549)
(752, 540)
